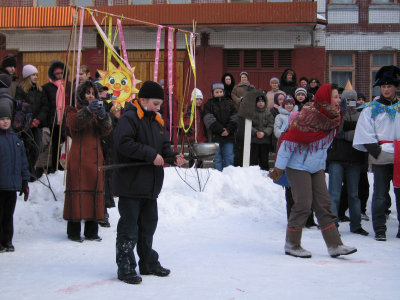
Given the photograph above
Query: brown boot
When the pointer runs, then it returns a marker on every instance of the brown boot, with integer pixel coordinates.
(292, 246)
(334, 242)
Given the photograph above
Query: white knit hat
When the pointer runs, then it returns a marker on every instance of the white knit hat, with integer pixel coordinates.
(199, 94)
(28, 70)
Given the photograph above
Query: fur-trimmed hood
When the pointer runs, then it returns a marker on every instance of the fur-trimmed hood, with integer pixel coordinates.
(81, 91)
(284, 81)
(53, 66)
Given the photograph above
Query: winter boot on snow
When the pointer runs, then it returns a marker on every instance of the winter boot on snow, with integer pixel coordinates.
(292, 246)
(334, 242)
(132, 278)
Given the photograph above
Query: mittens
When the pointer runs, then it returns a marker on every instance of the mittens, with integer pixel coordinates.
(101, 113)
(93, 106)
(275, 174)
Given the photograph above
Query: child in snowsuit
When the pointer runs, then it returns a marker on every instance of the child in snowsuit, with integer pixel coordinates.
(220, 118)
(14, 176)
(140, 137)
(262, 128)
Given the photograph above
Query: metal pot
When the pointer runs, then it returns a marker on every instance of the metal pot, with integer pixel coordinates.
(206, 149)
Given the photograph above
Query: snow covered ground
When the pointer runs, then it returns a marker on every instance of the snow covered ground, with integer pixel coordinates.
(224, 243)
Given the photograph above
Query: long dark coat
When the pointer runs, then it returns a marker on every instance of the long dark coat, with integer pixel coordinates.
(84, 194)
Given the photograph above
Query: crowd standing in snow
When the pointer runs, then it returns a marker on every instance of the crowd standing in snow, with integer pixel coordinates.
(309, 128)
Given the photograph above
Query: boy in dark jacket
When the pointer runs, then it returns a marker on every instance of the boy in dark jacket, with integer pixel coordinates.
(140, 137)
(14, 176)
(220, 118)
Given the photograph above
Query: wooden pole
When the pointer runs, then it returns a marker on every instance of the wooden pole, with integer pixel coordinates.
(247, 141)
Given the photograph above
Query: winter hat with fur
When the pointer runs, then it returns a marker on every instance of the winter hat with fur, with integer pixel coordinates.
(55, 64)
(303, 78)
(9, 61)
(151, 89)
(288, 99)
(216, 85)
(5, 111)
(5, 81)
(273, 79)
(198, 93)
(81, 91)
(28, 70)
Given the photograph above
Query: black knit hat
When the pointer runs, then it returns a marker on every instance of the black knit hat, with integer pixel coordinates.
(5, 81)
(303, 78)
(261, 98)
(9, 61)
(5, 111)
(151, 89)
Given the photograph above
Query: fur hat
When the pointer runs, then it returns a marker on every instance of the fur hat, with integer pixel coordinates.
(81, 91)
(5, 111)
(28, 70)
(300, 90)
(216, 85)
(246, 110)
(273, 79)
(244, 73)
(303, 78)
(5, 81)
(9, 61)
(55, 64)
(387, 75)
(198, 93)
(288, 99)
(151, 89)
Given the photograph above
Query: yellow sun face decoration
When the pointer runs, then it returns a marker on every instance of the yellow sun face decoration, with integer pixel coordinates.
(119, 83)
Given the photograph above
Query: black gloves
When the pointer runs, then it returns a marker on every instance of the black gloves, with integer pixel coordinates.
(25, 190)
(93, 106)
(373, 149)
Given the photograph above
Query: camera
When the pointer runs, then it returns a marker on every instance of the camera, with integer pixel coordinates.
(110, 96)
(351, 103)
(101, 103)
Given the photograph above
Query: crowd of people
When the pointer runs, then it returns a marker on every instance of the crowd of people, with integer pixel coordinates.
(311, 128)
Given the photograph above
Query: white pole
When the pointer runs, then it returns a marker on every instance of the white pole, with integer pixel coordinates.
(247, 142)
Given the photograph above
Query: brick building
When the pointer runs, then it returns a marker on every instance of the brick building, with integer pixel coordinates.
(361, 36)
(261, 38)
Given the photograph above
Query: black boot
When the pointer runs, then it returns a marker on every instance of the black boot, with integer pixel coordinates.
(132, 278)
(160, 271)
(9, 247)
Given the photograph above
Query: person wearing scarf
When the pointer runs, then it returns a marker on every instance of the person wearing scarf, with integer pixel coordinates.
(302, 153)
(378, 133)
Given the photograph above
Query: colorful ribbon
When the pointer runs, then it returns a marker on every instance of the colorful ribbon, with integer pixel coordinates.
(155, 78)
(170, 79)
(78, 64)
(109, 38)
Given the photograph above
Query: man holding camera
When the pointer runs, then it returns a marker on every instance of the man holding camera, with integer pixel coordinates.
(344, 160)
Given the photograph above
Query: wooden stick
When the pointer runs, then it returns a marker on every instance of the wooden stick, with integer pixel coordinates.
(134, 20)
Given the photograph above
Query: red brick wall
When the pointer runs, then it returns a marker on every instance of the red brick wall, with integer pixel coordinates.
(309, 62)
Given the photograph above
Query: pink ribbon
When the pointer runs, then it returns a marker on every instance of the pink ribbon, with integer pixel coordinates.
(121, 35)
(170, 83)
(157, 54)
(78, 65)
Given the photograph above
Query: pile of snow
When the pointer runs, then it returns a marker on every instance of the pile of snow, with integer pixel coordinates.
(223, 243)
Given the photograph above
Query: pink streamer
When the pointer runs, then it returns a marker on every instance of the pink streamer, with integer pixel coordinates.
(157, 54)
(170, 78)
(121, 35)
(78, 65)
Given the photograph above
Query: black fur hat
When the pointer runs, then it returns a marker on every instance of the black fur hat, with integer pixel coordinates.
(55, 64)
(9, 61)
(387, 75)
(151, 89)
(81, 91)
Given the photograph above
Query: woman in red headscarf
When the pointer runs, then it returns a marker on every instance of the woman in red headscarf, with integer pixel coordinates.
(302, 154)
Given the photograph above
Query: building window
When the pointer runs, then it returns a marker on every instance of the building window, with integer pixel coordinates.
(208, 1)
(276, 0)
(341, 67)
(379, 60)
(110, 2)
(258, 59)
(383, 1)
(159, 2)
(342, 1)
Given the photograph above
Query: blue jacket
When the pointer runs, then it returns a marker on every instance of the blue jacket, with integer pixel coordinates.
(302, 160)
(13, 162)
(139, 137)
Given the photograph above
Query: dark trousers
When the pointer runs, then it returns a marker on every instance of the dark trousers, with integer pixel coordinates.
(137, 225)
(290, 203)
(259, 155)
(32, 142)
(309, 192)
(91, 229)
(54, 149)
(238, 151)
(363, 195)
(8, 199)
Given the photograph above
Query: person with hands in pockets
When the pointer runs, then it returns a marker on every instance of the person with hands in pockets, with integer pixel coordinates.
(14, 176)
(140, 136)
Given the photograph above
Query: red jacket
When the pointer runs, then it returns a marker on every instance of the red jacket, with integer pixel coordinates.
(201, 128)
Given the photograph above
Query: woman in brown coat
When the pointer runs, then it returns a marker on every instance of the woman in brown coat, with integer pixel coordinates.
(84, 195)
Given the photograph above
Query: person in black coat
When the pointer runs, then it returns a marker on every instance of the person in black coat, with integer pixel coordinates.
(57, 75)
(220, 118)
(140, 137)
(229, 83)
(314, 85)
(30, 91)
(288, 83)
